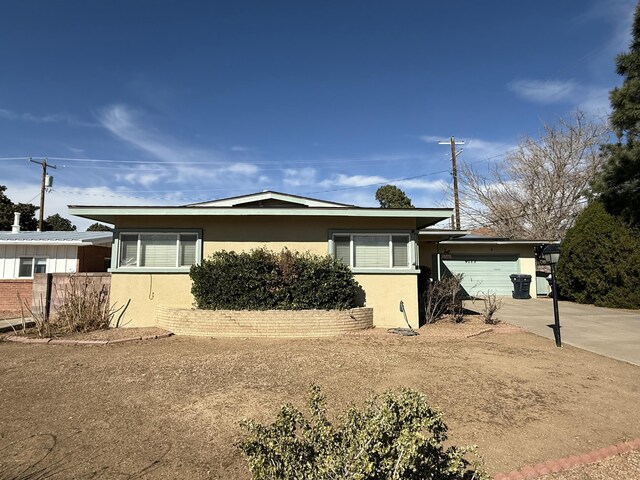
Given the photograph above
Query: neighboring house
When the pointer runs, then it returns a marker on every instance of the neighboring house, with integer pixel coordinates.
(23, 254)
(154, 247)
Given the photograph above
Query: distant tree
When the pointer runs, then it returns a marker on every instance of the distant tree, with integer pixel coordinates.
(391, 196)
(619, 184)
(600, 261)
(98, 227)
(540, 187)
(58, 224)
(27, 212)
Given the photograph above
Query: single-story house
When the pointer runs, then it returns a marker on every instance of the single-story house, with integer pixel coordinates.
(154, 247)
(23, 254)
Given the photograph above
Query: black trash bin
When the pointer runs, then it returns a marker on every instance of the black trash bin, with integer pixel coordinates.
(521, 285)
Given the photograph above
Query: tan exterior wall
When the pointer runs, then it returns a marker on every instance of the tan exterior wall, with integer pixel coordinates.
(384, 293)
(147, 291)
(527, 262)
(266, 323)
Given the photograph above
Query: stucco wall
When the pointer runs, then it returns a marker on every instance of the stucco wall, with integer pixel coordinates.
(526, 263)
(384, 293)
(146, 291)
(266, 323)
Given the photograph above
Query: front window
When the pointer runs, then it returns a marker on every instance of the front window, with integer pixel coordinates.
(157, 250)
(373, 250)
(30, 265)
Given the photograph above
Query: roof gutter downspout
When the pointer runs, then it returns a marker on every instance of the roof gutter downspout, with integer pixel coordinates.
(438, 258)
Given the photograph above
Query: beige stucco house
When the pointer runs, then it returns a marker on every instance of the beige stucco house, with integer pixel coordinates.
(154, 247)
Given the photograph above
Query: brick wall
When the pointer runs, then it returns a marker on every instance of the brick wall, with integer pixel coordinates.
(9, 303)
(62, 281)
(264, 323)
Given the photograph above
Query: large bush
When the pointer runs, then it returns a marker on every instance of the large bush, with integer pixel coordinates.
(600, 261)
(394, 436)
(263, 280)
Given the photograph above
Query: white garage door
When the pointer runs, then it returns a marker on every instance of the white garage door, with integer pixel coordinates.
(483, 273)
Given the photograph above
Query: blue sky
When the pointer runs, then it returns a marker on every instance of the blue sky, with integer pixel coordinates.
(173, 102)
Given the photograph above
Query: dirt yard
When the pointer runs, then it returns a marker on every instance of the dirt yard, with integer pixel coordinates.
(170, 408)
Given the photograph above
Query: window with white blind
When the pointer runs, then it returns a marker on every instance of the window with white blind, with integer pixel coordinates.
(157, 250)
(374, 250)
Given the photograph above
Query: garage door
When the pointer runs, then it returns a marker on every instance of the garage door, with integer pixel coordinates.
(483, 273)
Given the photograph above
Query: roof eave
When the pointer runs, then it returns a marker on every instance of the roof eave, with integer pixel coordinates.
(423, 217)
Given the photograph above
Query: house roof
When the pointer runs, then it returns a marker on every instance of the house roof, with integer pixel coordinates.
(440, 234)
(262, 199)
(55, 238)
(474, 238)
(264, 204)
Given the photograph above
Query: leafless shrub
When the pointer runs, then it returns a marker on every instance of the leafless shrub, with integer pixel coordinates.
(38, 314)
(443, 297)
(83, 307)
(492, 303)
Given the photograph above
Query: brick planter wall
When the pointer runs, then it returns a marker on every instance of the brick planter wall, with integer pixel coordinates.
(262, 323)
(9, 303)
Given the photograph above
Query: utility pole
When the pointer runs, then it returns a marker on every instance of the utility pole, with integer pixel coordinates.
(45, 165)
(454, 173)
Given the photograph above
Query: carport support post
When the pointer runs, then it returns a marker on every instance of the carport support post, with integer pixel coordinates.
(556, 316)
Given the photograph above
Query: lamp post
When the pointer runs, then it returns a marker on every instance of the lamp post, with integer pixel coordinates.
(551, 254)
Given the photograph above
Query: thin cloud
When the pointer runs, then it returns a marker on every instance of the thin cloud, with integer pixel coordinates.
(342, 180)
(298, 177)
(125, 124)
(358, 181)
(544, 91)
(122, 122)
(49, 118)
(241, 149)
(591, 99)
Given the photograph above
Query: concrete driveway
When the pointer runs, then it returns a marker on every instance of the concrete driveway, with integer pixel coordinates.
(610, 332)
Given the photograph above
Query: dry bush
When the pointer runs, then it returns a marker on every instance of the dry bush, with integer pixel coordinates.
(39, 316)
(83, 307)
(492, 303)
(443, 297)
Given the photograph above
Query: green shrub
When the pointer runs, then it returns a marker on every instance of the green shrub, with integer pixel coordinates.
(394, 436)
(264, 280)
(600, 261)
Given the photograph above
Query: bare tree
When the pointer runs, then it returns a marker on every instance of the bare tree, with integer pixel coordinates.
(540, 187)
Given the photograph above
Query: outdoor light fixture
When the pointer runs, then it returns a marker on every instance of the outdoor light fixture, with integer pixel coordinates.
(551, 254)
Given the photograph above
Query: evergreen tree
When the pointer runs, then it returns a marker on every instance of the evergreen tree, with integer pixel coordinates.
(391, 196)
(98, 227)
(58, 224)
(600, 261)
(619, 184)
(27, 212)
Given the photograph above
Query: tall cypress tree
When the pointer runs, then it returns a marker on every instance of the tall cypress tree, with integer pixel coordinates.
(619, 185)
